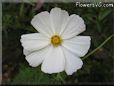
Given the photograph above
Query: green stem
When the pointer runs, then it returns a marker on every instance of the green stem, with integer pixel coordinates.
(98, 47)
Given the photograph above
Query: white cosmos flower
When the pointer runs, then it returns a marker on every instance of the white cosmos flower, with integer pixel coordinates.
(57, 45)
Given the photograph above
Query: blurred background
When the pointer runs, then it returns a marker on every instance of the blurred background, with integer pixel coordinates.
(97, 68)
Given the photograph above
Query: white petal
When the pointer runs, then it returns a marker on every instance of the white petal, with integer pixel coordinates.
(26, 52)
(73, 63)
(35, 36)
(41, 23)
(79, 45)
(75, 26)
(58, 18)
(64, 19)
(35, 41)
(34, 59)
(54, 61)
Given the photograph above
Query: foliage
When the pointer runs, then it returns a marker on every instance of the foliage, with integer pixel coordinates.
(30, 75)
(98, 67)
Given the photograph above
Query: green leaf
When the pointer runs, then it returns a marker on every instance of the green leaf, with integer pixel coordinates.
(103, 14)
(28, 75)
(21, 9)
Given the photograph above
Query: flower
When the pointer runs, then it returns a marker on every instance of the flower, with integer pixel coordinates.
(57, 46)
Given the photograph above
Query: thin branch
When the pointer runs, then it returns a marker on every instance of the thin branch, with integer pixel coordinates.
(101, 45)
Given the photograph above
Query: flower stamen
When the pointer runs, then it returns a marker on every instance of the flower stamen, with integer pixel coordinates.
(56, 40)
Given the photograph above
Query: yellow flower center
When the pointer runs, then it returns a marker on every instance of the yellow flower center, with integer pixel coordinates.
(56, 40)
